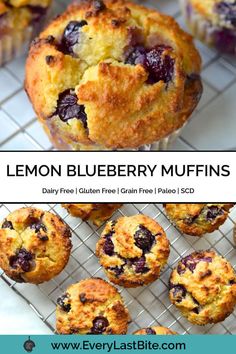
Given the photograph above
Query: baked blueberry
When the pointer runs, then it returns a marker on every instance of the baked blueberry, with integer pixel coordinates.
(202, 292)
(68, 107)
(7, 225)
(198, 219)
(131, 251)
(62, 301)
(154, 330)
(37, 249)
(144, 239)
(227, 10)
(100, 324)
(96, 307)
(160, 66)
(22, 259)
(108, 245)
(190, 262)
(71, 36)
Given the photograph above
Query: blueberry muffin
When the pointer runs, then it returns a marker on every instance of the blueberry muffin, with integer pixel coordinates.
(213, 22)
(20, 21)
(155, 330)
(34, 245)
(133, 250)
(198, 219)
(97, 213)
(112, 75)
(203, 287)
(91, 306)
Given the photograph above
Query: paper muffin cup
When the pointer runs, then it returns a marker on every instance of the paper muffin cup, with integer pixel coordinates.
(16, 43)
(160, 145)
(221, 38)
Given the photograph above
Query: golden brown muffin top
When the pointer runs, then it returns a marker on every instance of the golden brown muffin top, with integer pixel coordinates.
(198, 219)
(222, 13)
(34, 245)
(124, 104)
(22, 3)
(158, 330)
(96, 212)
(203, 287)
(133, 250)
(91, 306)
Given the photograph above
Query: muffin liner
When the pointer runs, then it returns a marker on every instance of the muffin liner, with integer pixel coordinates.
(222, 38)
(160, 145)
(165, 143)
(16, 43)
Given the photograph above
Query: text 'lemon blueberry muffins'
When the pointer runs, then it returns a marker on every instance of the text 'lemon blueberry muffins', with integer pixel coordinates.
(213, 22)
(34, 245)
(91, 306)
(20, 22)
(97, 213)
(155, 330)
(113, 75)
(133, 250)
(203, 287)
(198, 219)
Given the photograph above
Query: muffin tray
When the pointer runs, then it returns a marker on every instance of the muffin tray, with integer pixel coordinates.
(147, 305)
(212, 126)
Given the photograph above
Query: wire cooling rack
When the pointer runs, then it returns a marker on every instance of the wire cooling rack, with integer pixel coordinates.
(147, 305)
(212, 127)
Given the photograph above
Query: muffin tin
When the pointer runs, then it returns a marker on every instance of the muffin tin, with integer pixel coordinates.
(207, 130)
(148, 305)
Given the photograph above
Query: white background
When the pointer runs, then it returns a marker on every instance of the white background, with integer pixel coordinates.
(29, 189)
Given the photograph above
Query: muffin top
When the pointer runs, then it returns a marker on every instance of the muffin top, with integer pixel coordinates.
(22, 3)
(198, 219)
(34, 245)
(8, 5)
(155, 330)
(133, 250)
(91, 306)
(222, 13)
(113, 73)
(203, 287)
(97, 213)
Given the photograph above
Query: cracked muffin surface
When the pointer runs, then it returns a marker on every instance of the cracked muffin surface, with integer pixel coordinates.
(97, 213)
(91, 306)
(34, 245)
(203, 287)
(112, 75)
(198, 219)
(133, 250)
(158, 330)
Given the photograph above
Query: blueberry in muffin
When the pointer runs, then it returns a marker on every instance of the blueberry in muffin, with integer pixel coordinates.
(198, 219)
(97, 213)
(155, 330)
(20, 21)
(133, 250)
(213, 22)
(34, 245)
(203, 287)
(91, 306)
(113, 76)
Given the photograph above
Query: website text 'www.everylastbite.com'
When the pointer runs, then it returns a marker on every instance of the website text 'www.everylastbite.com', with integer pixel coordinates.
(86, 345)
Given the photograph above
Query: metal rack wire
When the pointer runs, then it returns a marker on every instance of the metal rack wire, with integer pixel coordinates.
(207, 131)
(147, 305)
